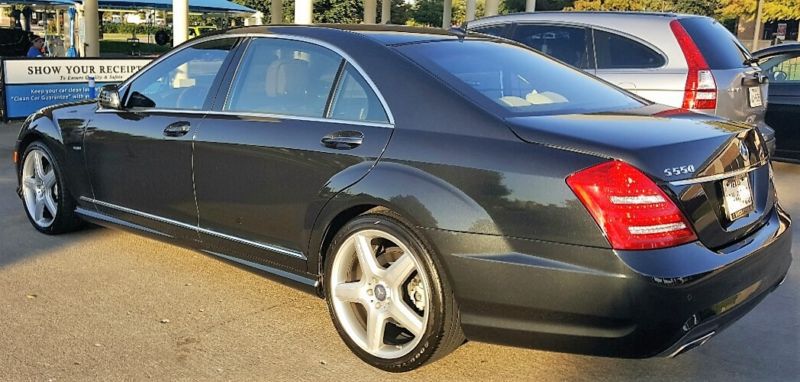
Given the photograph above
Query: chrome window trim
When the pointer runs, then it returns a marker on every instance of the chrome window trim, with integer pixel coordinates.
(253, 115)
(269, 247)
(341, 53)
(725, 175)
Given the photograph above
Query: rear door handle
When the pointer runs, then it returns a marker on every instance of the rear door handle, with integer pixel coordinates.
(177, 129)
(343, 140)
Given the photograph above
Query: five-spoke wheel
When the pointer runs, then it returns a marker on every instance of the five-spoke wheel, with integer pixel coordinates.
(387, 298)
(48, 207)
(379, 293)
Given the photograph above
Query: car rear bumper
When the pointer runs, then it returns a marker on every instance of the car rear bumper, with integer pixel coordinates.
(603, 302)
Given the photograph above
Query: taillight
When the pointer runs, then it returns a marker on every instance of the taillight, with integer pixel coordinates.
(632, 210)
(701, 88)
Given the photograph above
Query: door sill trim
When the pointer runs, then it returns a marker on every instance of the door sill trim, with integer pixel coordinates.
(265, 246)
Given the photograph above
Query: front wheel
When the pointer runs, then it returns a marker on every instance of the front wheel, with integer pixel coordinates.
(387, 298)
(44, 195)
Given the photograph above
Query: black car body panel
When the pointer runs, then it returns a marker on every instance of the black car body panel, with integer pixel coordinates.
(527, 262)
(783, 107)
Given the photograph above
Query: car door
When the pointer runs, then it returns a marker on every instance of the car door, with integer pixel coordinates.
(567, 43)
(783, 101)
(139, 158)
(298, 121)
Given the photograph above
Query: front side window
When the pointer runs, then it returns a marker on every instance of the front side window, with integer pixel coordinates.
(355, 100)
(182, 80)
(520, 80)
(617, 52)
(284, 77)
(567, 44)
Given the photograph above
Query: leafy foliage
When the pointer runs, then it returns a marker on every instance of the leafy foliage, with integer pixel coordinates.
(773, 9)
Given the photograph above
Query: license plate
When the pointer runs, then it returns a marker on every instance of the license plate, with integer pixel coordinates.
(738, 197)
(754, 94)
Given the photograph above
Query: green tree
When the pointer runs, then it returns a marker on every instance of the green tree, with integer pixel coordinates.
(338, 11)
(773, 9)
(513, 6)
(428, 12)
(400, 12)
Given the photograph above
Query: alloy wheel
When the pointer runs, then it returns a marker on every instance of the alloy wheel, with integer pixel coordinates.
(380, 293)
(40, 188)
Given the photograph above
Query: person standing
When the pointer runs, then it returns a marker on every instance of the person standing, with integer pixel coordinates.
(36, 49)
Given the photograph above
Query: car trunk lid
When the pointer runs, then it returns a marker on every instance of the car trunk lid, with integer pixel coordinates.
(688, 155)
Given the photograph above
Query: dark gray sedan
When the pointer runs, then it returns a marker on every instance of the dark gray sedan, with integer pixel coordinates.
(433, 187)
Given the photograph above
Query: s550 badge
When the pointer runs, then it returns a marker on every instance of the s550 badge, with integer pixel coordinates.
(675, 171)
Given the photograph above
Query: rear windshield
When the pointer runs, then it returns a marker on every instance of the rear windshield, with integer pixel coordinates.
(719, 47)
(518, 79)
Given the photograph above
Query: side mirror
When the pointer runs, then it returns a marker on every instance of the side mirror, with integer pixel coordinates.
(109, 98)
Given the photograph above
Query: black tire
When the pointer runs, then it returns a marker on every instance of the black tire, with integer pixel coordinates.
(443, 332)
(162, 37)
(65, 220)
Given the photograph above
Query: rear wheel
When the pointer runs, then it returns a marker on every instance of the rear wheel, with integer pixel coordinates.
(44, 195)
(386, 295)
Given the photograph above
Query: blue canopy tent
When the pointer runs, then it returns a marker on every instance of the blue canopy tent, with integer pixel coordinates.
(201, 6)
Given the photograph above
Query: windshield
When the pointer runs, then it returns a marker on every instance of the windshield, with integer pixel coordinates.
(518, 79)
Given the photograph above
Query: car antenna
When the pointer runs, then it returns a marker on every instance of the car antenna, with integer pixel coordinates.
(459, 31)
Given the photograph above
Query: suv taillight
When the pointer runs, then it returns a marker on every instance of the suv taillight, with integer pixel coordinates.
(633, 212)
(701, 88)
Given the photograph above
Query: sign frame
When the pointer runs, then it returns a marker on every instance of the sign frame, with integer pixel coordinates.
(61, 72)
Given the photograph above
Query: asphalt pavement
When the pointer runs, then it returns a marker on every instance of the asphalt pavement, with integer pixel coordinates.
(102, 304)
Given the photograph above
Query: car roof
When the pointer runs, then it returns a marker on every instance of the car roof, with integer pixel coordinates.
(777, 49)
(587, 17)
(383, 34)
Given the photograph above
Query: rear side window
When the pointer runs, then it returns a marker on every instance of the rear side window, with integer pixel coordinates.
(519, 80)
(618, 52)
(355, 100)
(284, 77)
(719, 47)
(567, 44)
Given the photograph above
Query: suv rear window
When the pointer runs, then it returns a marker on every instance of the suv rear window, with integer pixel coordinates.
(719, 47)
(520, 80)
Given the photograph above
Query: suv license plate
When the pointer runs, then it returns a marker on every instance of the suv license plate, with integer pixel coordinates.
(754, 96)
(738, 197)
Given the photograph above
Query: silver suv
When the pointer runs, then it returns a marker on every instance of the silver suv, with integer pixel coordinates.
(678, 60)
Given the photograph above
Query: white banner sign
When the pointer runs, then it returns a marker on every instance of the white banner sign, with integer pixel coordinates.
(54, 71)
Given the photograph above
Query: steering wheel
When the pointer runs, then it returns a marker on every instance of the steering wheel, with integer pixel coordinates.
(779, 75)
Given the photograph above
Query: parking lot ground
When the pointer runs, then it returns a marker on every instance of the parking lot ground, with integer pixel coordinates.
(102, 304)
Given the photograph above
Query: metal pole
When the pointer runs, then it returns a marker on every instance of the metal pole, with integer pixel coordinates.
(180, 21)
(530, 5)
(447, 14)
(386, 11)
(91, 22)
(471, 7)
(491, 7)
(276, 11)
(370, 11)
(757, 28)
(303, 11)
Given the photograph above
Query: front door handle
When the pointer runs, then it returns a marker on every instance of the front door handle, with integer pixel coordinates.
(343, 140)
(177, 129)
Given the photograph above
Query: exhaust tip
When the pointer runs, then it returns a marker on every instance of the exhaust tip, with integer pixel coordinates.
(692, 344)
